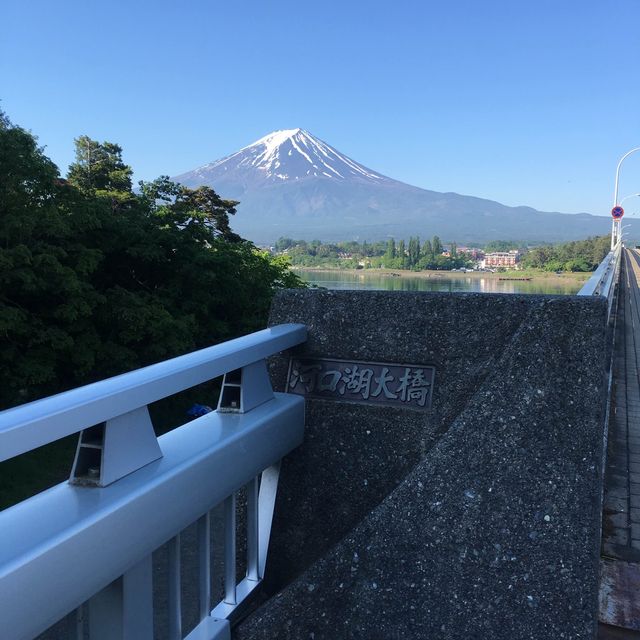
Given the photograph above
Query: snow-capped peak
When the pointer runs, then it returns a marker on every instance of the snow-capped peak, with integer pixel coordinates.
(285, 155)
(274, 139)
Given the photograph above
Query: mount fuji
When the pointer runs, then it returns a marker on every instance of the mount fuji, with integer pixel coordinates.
(290, 183)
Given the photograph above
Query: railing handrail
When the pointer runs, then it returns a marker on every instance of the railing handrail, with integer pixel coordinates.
(37, 423)
(605, 278)
(600, 282)
(90, 540)
(62, 546)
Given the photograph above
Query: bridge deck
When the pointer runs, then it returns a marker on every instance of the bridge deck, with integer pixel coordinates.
(620, 578)
(621, 535)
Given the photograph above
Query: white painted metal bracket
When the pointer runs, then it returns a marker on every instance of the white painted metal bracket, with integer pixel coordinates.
(245, 389)
(114, 449)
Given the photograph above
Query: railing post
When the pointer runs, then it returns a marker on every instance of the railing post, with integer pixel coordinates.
(204, 564)
(266, 508)
(253, 531)
(230, 550)
(175, 593)
(124, 609)
(137, 586)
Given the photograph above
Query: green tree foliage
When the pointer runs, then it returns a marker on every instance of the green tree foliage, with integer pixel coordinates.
(413, 253)
(580, 255)
(200, 211)
(352, 254)
(99, 169)
(427, 250)
(96, 279)
(282, 244)
(45, 295)
(391, 253)
(501, 245)
(402, 256)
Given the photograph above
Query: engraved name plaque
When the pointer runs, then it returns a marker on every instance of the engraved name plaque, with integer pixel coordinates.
(406, 385)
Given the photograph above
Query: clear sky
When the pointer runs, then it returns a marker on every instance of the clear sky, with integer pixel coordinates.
(525, 102)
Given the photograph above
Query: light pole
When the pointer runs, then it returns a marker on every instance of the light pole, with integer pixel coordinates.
(615, 226)
(631, 195)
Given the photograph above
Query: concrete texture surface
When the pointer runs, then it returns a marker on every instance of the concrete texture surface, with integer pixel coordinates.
(485, 518)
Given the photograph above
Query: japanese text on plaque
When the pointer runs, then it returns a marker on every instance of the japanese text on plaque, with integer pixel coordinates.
(371, 383)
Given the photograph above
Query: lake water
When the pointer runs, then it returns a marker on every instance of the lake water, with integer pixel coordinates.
(357, 280)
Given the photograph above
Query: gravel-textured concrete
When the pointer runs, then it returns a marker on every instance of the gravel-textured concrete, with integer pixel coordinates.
(479, 518)
(355, 455)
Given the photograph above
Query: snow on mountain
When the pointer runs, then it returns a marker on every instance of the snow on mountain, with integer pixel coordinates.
(290, 154)
(290, 183)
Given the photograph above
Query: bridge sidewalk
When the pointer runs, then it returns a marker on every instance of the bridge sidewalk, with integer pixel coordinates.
(620, 565)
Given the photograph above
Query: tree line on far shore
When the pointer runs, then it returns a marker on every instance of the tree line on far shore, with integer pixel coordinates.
(387, 254)
(579, 255)
(576, 256)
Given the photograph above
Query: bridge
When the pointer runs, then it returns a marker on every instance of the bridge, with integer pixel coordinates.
(422, 476)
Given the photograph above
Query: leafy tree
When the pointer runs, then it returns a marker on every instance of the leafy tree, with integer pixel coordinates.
(46, 300)
(282, 244)
(579, 255)
(402, 256)
(99, 167)
(391, 252)
(414, 252)
(553, 265)
(97, 279)
(437, 246)
(198, 211)
(427, 250)
(577, 264)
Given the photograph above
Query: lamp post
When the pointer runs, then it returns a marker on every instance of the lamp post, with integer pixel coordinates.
(631, 195)
(615, 226)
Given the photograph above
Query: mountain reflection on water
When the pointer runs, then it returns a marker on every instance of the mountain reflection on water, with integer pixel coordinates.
(369, 281)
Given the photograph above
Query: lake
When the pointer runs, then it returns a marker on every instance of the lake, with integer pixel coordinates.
(384, 282)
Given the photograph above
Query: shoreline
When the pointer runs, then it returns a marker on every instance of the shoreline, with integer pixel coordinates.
(513, 276)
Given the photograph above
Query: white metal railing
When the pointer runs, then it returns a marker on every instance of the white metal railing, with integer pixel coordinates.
(90, 540)
(605, 277)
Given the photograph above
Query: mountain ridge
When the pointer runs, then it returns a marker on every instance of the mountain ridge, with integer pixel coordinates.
(291, 183)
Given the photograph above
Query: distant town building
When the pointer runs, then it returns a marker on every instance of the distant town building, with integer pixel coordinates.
(504, 259)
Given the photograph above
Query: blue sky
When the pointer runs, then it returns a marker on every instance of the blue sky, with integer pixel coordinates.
(521, 102)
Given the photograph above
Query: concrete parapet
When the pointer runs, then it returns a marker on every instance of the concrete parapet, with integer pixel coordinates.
(476, 518)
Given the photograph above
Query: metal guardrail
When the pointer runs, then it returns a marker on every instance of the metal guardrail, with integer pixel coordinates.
(605, 277)
(86, 545)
